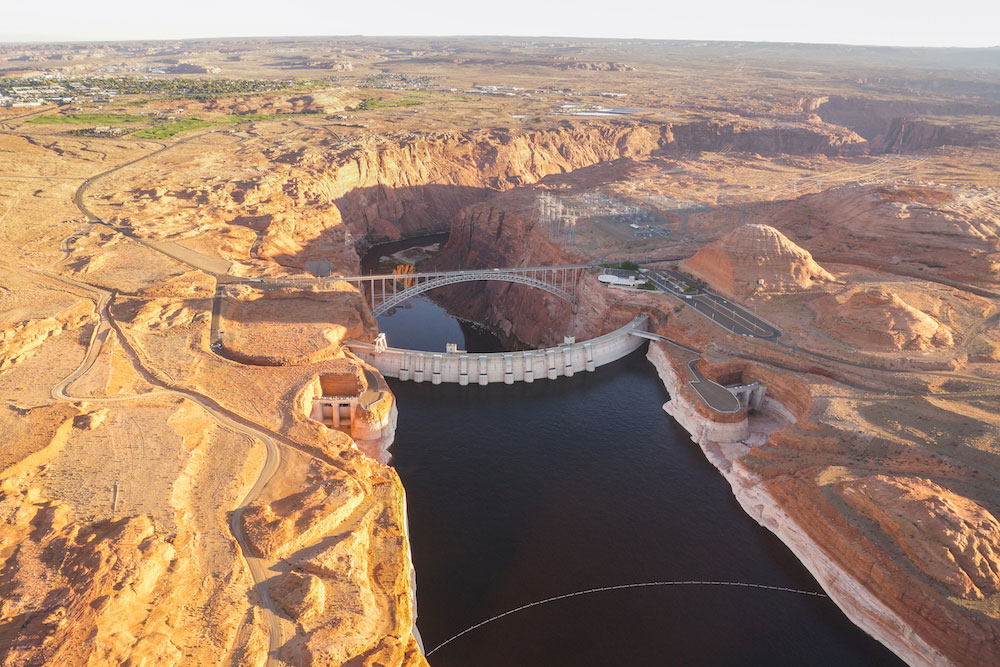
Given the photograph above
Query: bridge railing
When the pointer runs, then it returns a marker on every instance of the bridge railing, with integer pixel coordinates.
(385, 301)
(438, 274)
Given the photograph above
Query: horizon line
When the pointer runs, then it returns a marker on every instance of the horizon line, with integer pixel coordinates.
(4, 40)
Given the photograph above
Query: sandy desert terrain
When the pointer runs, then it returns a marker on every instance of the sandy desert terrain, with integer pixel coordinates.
(166, 493)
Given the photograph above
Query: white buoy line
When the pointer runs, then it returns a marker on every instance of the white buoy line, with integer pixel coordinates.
(619, 587)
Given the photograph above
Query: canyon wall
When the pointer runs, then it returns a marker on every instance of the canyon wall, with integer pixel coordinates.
(863, 607)
(496, 234)
(896, 126)
(417, 184)
(413, 184)
(904, 135)
(296, 204)
(406, 185)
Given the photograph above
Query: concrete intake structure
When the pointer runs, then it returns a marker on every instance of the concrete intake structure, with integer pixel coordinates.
(750, 396)
(507, 367)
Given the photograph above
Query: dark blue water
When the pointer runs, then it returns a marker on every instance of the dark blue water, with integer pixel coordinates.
(421, 324)
(519, 493)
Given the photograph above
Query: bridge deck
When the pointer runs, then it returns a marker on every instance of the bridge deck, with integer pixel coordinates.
(439, 274)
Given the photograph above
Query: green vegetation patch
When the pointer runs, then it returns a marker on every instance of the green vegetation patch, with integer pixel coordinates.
(627, 265)
(372, 103)
(89, 119)
(168, 130)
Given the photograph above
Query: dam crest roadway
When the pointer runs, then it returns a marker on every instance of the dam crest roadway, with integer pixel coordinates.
(459, 367)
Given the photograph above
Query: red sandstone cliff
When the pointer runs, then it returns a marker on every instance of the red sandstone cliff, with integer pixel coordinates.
(500, 233)
(294, 203)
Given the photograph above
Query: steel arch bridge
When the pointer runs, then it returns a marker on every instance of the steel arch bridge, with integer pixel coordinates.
(387, 291)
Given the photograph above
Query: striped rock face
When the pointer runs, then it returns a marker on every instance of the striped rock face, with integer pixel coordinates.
(756, 257)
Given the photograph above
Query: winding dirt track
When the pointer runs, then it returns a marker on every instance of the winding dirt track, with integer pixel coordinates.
(228, 420)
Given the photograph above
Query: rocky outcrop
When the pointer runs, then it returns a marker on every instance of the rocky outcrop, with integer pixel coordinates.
(301, 595)
(21, 338)
(877, 318)
(952, 232)
(349, 582)
(280, 527)
(108, 572)
(755, 258)
(283, 328)
(950, 538)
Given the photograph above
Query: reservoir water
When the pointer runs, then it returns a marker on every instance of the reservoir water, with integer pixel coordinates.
(525, 492)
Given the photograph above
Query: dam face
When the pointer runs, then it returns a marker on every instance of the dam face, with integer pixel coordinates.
(503, 367)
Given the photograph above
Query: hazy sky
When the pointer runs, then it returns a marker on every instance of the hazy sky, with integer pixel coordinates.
(891, 22)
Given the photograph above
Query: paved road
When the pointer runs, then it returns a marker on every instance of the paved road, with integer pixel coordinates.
(712, 393)
(723, 312)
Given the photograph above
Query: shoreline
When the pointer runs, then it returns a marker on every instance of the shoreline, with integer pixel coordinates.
(859, 604)
(378, 450)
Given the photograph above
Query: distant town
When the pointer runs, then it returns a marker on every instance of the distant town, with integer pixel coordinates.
(56, 89)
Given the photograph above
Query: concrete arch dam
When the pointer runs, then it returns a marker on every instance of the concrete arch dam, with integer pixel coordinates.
(504, 367)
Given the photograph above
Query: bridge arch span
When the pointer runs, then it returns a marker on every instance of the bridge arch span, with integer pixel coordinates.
(385, 293)
(469, 277)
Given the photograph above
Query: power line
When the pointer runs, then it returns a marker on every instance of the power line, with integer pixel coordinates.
(619, 587)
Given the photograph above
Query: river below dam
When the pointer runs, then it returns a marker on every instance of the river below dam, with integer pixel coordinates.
(521, 493)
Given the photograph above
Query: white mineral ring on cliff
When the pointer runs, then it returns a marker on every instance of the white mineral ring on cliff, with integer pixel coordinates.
(644, 584)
